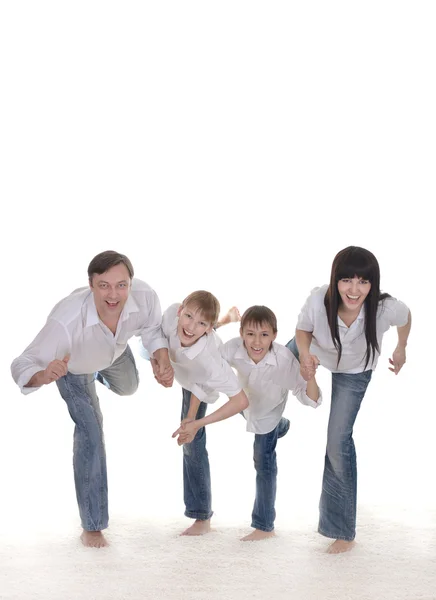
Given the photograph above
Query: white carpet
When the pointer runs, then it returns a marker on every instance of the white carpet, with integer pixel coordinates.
(395, 559)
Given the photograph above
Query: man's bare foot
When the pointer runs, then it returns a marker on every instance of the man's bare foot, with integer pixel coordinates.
(340, 546)
(93, 539)
(198, 528)
(257, 535)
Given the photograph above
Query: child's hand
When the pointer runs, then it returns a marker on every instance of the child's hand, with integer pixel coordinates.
(308, 365)
(164, 374)
(186, 432)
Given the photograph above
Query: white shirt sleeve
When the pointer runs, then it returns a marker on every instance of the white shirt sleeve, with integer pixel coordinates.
(291, 379)
(397, 312)
(52, 342)
(221, 379)
(152, 336)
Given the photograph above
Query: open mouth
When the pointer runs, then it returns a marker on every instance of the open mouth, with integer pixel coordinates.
(187, 334)
(256, 350)
(112, 304)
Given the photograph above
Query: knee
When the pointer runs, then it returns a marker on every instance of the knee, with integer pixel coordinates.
(264, 462)
(128, 389)
(338, 448)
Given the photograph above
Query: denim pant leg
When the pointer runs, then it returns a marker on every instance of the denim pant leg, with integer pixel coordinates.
(292, 345)
(122, 376)
(339, 487)
(89, 455)
(265, 463)
(196, 472)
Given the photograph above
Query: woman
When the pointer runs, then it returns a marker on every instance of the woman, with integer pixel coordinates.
(341, 327)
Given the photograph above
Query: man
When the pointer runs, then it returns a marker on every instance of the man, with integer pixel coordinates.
(85, 338)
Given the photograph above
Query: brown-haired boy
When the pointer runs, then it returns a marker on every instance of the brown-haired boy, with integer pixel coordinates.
(194, 350)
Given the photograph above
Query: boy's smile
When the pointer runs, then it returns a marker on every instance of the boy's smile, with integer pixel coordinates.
(191, 325)
(257, 340)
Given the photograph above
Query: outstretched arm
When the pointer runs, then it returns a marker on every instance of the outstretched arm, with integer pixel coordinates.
(234, 405)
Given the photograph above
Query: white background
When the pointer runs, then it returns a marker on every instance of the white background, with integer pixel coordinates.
(234, 147)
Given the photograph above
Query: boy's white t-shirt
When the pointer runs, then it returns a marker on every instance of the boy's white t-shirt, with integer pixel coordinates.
(313, 318)
(199, 368)
(267, 383)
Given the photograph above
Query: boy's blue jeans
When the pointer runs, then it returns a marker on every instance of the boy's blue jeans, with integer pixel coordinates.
(265, 463)
(337, 507)
(196, 471)
(89, 455)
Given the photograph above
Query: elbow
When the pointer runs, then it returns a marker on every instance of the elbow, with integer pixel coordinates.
(244, 402)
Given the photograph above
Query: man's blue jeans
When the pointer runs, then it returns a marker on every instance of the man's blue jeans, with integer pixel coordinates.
(196, 471)
(265, 463)
(89, 455)
(337, 507)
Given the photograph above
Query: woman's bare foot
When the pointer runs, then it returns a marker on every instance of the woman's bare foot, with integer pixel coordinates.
(340, 546)
(257, 535)
(93, 539)
(198, 528)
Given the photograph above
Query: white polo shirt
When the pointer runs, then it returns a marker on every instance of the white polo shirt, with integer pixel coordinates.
(199, 368)
(73, 327)
(313, 318)
(267, 383)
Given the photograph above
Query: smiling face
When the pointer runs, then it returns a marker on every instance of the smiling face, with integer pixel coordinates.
(111, 290)
(257, 338)
(353, 292)
(192, 325)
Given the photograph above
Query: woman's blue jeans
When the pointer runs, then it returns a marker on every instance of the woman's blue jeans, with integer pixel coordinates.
(337, 505)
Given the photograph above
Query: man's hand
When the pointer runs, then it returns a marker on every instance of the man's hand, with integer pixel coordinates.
(162, 369)
(54, 371)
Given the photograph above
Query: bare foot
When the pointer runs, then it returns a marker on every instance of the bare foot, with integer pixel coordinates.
(93, 539)
(257, 535)
(340, 546)
(198, 528)
(234, 315)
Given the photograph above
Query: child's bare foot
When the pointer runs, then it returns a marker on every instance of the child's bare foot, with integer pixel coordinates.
(340, 546)
(93, 539)
(257, 535)
(198, 528)
(231, 316)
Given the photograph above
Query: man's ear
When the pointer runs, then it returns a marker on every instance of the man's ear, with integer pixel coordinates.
(179, 310)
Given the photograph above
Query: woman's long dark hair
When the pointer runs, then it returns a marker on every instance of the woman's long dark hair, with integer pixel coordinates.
(348, 263)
